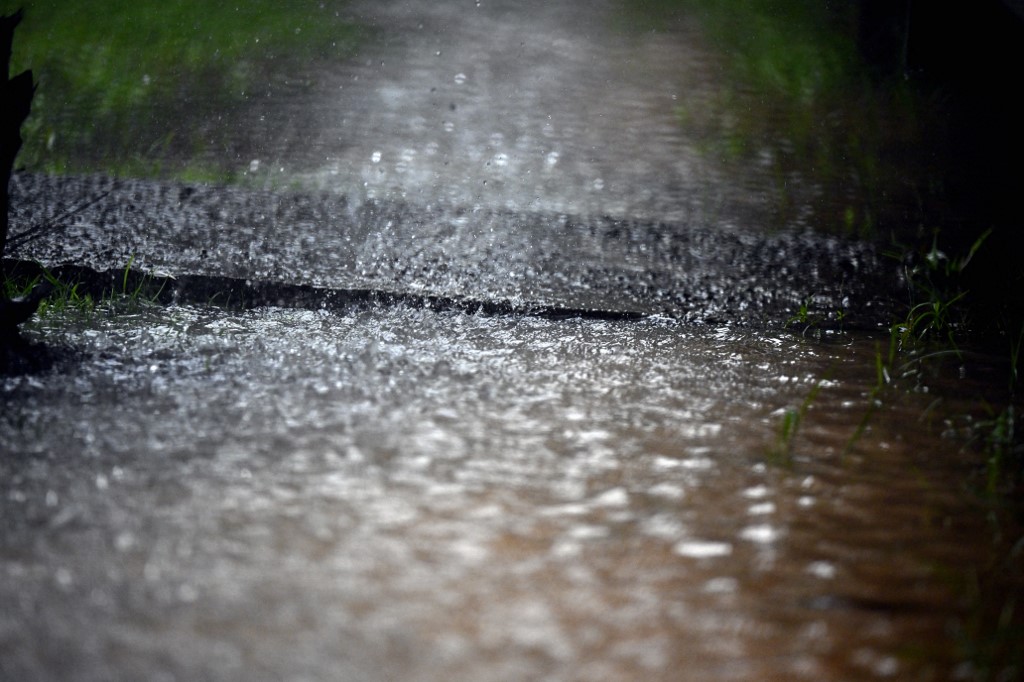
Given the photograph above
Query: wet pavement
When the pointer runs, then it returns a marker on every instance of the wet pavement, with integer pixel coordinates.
(402, 488)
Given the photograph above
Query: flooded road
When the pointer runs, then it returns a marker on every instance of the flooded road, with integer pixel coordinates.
(396, 492)
(414, 495)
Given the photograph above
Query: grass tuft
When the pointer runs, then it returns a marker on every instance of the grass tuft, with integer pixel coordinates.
(937, 307)
(782, 453)
(72, 298)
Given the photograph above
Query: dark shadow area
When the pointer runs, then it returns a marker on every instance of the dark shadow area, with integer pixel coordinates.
(233, 293)
(19, 356)
(964, 61)
(15, 103)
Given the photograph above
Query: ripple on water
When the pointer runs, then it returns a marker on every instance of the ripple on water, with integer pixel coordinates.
(498, 493)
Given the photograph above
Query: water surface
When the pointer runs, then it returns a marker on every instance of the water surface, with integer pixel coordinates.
(404, 494)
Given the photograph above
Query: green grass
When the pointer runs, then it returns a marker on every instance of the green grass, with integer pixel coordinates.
(937, 319)
(797, 50)
(65, 298)
(937, 308)
(73, 299)
(142, 86)
(782, 452)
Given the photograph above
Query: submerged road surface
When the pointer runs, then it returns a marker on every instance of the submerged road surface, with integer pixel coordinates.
(408, 491)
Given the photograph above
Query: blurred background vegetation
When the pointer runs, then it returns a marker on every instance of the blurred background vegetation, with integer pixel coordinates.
(117, 79)
(800, 95)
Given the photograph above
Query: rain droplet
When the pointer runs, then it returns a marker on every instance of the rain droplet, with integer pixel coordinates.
(721, 586)
(63, 577)
(616, 497)
(702, 549)
(756, 492)
(187, 593)
(822, 569)
(763, 534)
(124, 541)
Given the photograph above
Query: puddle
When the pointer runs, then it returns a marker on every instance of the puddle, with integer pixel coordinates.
(407, 494)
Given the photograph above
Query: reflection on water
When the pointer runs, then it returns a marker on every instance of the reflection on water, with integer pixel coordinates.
(402, 494)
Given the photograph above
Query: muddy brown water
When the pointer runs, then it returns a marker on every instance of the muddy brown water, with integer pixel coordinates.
(407, 492)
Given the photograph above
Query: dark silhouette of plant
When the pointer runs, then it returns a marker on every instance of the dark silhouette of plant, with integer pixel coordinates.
(15, 103)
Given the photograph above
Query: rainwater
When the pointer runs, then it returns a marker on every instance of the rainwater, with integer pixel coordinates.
(401, 492)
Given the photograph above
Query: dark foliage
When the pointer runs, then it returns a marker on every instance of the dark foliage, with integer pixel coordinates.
(15, 104)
